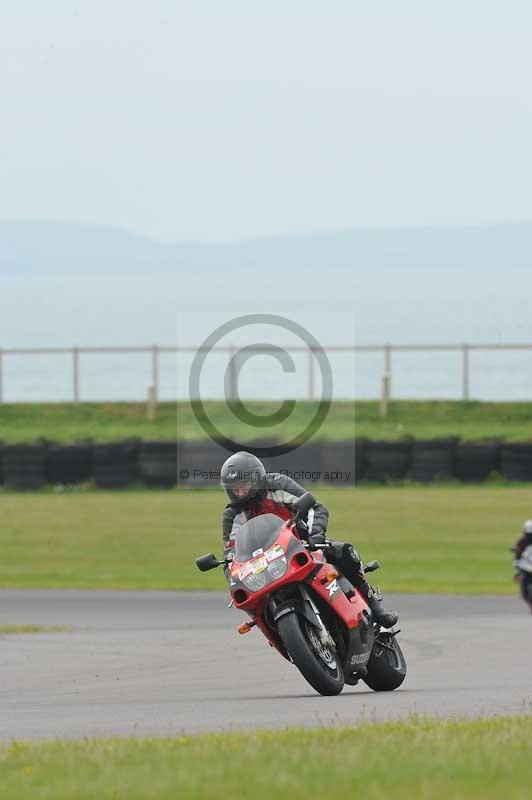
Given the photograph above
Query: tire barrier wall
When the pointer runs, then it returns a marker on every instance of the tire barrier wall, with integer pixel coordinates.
(157, 464)
(24, 466)
(386, 461)
(114, 466)
(476, 461)
(68, 464)
(432, 460)
(197, 464)
(516, 462)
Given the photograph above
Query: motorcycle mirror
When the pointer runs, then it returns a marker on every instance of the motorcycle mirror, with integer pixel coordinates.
(304, 503)
(209, 561)
(371, 566)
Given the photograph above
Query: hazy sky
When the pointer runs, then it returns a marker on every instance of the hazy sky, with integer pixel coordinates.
(221, 120)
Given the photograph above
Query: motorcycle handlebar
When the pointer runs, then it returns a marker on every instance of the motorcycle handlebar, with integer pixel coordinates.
(326, 545)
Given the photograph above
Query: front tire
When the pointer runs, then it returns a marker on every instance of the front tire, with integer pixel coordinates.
(387, 665)
(317, 663)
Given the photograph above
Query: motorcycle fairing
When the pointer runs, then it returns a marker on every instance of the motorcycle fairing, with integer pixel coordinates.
(290, 546)
(350, 610)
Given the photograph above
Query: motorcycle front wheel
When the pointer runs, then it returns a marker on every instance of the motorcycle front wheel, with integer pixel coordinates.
(387, 665)
(318, 663)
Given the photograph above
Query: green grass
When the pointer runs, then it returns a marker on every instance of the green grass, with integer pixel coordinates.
(420, 758)
(63, 422)
(431, 539)
(12, 629)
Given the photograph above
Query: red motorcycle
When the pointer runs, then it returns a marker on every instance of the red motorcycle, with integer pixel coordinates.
(309, 612)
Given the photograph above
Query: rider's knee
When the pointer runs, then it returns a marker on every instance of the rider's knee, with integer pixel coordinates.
(352, 554)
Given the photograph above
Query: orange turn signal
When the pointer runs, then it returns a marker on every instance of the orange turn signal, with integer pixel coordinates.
(244, 628)
(329, 576)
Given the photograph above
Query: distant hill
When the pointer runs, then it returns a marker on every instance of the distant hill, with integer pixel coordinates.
(49, 247)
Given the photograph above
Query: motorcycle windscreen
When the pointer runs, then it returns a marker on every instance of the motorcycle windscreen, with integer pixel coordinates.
(258, 533)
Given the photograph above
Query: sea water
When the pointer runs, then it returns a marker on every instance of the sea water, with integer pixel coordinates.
(338, 308)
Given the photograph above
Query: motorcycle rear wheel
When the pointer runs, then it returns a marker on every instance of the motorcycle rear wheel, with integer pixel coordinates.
(317, 663)
(387, 664)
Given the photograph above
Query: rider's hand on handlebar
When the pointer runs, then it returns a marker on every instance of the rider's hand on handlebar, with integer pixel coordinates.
(316, 539)
(302, 527)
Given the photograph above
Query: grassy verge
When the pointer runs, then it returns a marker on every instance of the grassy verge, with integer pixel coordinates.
(103, 422)
(432, 760)
(433, 539)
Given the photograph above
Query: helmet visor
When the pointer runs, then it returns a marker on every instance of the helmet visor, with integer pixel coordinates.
(238, 491)
(242, 490)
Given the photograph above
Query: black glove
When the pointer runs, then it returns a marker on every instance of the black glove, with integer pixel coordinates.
(316, 539)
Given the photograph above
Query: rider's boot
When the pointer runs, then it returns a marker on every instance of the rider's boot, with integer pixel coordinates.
(382, 615)
(352, 565)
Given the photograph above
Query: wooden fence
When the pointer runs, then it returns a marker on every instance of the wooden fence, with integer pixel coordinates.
(464, 352)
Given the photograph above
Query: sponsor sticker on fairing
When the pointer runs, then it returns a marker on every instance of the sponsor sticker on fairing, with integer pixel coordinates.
(258, 552)
(259, 565)
(246, 570)
(274, 552)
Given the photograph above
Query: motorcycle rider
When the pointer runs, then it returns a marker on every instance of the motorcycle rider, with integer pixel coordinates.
(522, 543)
(525, 539)
(252, 491)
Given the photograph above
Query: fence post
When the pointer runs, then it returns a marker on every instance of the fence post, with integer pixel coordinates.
(1, 377)
(385, 395)
(465, 372)
(310, 374)
(155, 372)
(232, 375)
(75, 373)
(387, 379)
(152, 404)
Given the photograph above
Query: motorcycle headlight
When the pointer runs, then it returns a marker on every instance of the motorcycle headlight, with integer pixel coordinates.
(277, 569)
(255, 582)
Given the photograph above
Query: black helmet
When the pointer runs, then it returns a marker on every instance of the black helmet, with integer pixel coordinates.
(243, 477)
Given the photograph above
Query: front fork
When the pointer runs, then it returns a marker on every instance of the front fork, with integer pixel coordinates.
(325, 637)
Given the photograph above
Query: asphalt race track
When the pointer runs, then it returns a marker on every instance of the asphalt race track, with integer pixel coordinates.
(160, 663)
